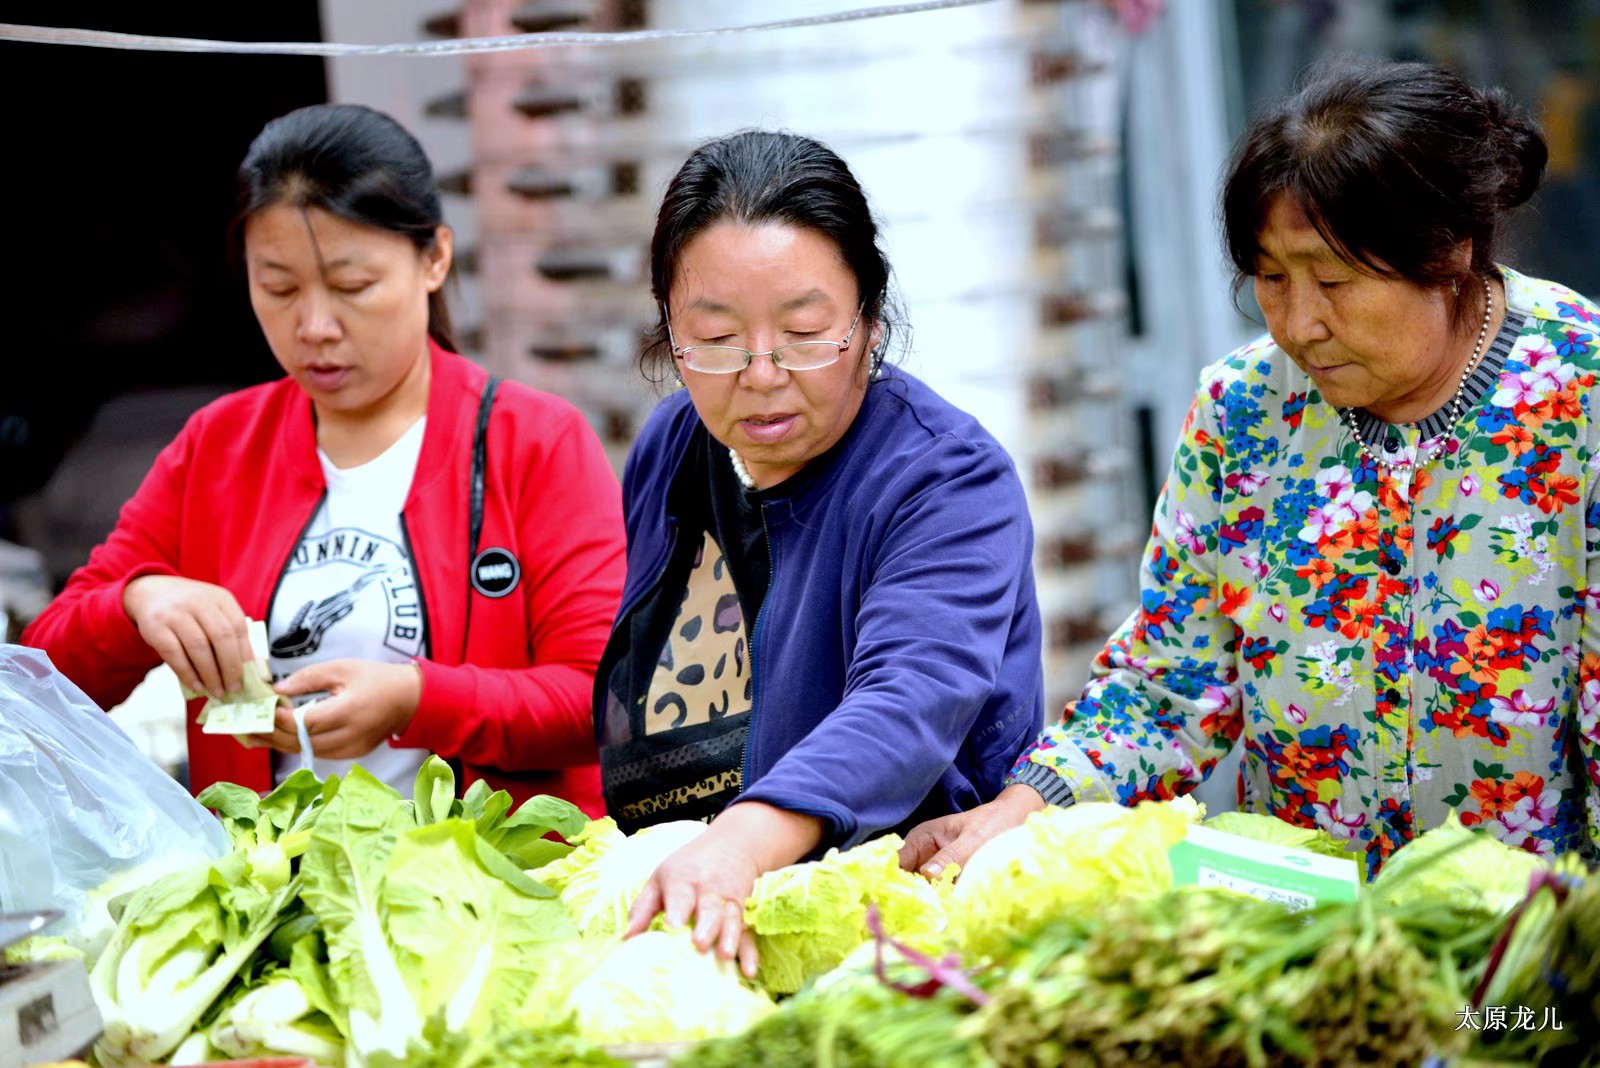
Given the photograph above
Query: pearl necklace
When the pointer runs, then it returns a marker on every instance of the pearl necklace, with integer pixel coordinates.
(739, 471)
(1456, 404)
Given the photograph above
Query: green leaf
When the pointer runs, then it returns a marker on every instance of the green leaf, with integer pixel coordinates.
(238, 806)
(492, 812)
(468, 927)
(807, 919)
(534, 855)
(472, 801)
(1262, 828)
(520, 836)
(343, 869)
(1467, 868)
(290, 804)
(435, 792)
(310, 970)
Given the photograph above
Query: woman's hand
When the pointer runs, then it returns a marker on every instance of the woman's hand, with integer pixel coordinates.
(933, 846)
(710, 878)
(196, 628)
(367, 703)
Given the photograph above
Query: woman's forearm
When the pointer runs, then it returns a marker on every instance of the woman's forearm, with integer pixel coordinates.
(772, 837)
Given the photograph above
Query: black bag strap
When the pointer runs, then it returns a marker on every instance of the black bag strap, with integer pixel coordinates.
(480, 466)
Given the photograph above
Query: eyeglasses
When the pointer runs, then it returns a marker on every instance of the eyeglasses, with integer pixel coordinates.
(731, 359)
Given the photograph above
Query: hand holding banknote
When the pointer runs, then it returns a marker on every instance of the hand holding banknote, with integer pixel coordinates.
(197, 629)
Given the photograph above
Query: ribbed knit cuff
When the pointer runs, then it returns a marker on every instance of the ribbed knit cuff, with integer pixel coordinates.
(1052, 787)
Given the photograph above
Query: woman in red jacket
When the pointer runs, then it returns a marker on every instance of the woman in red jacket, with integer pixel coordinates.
(437, 556)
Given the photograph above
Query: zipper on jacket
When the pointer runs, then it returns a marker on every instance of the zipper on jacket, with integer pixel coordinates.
(422, 595)
(755, 631)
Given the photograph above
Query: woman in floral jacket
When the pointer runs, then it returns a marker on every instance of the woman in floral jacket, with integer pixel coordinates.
(1375, 560)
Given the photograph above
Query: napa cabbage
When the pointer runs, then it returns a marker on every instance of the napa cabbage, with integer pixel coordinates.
(1063, 862)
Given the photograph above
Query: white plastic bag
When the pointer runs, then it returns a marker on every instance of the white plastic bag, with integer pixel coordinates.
(79, 803)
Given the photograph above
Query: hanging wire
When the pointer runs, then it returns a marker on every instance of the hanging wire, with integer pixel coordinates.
(458, 46)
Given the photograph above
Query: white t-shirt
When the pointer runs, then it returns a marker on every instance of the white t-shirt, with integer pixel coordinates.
(349, 591)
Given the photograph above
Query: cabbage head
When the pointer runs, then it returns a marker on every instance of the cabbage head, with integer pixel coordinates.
(1459, 866)
(654, 987)
(1063, 862)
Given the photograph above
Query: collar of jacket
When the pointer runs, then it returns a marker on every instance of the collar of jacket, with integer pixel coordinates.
(684, 466)
(454, 384)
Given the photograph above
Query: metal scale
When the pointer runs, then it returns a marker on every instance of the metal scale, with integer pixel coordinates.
(46, 1010)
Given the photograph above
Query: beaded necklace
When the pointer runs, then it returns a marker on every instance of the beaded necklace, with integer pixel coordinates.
(739, 471)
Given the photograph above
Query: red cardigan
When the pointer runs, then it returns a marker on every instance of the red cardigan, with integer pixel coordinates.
(228, 499)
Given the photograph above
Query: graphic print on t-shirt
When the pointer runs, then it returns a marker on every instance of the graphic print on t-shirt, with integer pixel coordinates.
(348, 579)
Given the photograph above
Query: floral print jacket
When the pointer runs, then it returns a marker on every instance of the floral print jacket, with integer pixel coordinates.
(1388, 646)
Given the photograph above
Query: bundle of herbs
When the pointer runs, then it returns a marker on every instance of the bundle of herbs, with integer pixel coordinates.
(1204, 976)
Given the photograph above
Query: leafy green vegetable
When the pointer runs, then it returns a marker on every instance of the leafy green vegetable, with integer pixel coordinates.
(1547, 962)
(1457, 864)
(196, 1049)
(343, 869)
(858, 1023)
(1207, 976)
(180, 942)
(274, 1018)
(272, 830)
(1272, 830)
(433, 798)
(808, 917)
(1063, 862)
(41, 948)
(502, 1047)
(102, 906)
(519, 835)
(468, 927)
(656, 987)
(419, 921)
(600, 878)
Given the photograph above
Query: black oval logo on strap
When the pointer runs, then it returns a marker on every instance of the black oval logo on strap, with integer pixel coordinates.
(495, 572)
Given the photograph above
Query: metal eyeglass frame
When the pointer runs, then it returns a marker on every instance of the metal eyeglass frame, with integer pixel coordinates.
(839, 346)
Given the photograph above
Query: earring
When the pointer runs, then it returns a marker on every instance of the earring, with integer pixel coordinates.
(876, 355)
(1455, 288)
(677, 380)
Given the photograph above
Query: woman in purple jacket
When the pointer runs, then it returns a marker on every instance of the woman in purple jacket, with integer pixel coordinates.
(829, 628)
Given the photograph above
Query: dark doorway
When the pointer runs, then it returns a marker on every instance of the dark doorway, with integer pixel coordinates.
(125, 312)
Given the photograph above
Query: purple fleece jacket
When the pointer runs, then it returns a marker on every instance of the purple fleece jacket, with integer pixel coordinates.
(897, 651)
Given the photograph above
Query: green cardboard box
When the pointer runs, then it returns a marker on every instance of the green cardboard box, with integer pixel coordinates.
(1297, 878)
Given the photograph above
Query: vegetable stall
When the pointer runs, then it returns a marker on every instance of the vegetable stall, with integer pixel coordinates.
(351, 928)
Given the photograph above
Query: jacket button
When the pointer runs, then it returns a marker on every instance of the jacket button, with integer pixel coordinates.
(1392, 566)
(1392, 695)
(1393, 443)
